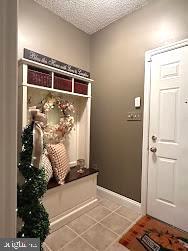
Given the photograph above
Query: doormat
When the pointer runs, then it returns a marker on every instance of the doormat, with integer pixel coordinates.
(153, 235)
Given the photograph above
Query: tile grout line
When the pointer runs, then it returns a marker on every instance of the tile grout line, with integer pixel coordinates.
(67, 243)
(88, 243)
(124, 217)
(96, 222)
(100, 223)
(128, 228)
(79, 235)
(108, 228)
(49, 249)
(112, 230)
(111, 244)
(121, 205)
(102, 218)
(111, 211)
(114, 211)
(118, 235)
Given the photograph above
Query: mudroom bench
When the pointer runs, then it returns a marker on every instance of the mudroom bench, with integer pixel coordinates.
(66, 202)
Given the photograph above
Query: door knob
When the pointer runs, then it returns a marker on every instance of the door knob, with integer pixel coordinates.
(153, 149)
(154, 138)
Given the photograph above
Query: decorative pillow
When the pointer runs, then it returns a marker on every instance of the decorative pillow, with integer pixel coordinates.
(59, 160)
(46, 164)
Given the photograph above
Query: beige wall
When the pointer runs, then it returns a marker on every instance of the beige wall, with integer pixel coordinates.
(116, 55)
(117, 64)
(42, 31)
(8, 115)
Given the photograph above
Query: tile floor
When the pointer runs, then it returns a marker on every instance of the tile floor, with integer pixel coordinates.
(97, 230)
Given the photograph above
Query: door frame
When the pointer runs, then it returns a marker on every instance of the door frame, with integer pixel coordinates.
(146, 116)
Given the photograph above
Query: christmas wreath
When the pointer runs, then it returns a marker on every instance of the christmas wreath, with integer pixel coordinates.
(56, 133)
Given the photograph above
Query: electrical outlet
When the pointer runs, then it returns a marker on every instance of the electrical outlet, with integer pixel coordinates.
(134, 116)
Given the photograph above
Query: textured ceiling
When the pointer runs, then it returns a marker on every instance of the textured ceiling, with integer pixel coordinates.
(92, 15)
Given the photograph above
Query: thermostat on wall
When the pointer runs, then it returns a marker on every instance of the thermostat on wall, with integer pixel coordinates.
(137, 102)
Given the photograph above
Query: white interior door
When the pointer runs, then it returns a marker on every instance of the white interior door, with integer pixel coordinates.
(168, 138)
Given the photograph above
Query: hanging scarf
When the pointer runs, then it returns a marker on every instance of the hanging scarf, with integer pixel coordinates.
(38, 135)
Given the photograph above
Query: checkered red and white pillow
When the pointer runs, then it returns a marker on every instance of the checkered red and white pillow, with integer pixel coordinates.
(59, 160)
(46, 164)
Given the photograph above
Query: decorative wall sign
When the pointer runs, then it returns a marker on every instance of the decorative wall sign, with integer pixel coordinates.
(34, 56)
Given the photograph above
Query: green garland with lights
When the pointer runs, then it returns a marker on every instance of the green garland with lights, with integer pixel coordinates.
(29, 205)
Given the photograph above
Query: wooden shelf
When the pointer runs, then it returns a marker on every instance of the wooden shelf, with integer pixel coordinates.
(79, 140)
(54, 90)
(44, 77)
(52, 69)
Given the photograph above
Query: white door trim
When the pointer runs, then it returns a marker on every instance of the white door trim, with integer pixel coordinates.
(146, 118)
(8, 117)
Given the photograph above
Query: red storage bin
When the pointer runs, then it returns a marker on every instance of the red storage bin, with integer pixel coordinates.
(81, 88)
(62, 83)
(39, 78)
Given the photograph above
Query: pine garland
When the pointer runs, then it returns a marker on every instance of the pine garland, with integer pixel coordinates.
(29, 205)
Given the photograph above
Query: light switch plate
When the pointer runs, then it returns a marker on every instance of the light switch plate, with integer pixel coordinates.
(137, 102)
(134, 116)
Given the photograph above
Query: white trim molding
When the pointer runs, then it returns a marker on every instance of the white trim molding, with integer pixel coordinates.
(146, 117)
(8, 115)
(73, 214)
(117, 198)
(66, 203)
(168, 47)
(53, 69)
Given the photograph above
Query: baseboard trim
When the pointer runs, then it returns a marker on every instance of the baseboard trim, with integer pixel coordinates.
(72, 214)
(122, 200)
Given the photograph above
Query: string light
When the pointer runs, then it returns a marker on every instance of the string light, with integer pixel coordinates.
(29, 197)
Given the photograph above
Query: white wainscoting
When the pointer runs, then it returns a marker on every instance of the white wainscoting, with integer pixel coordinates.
(66, 202)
